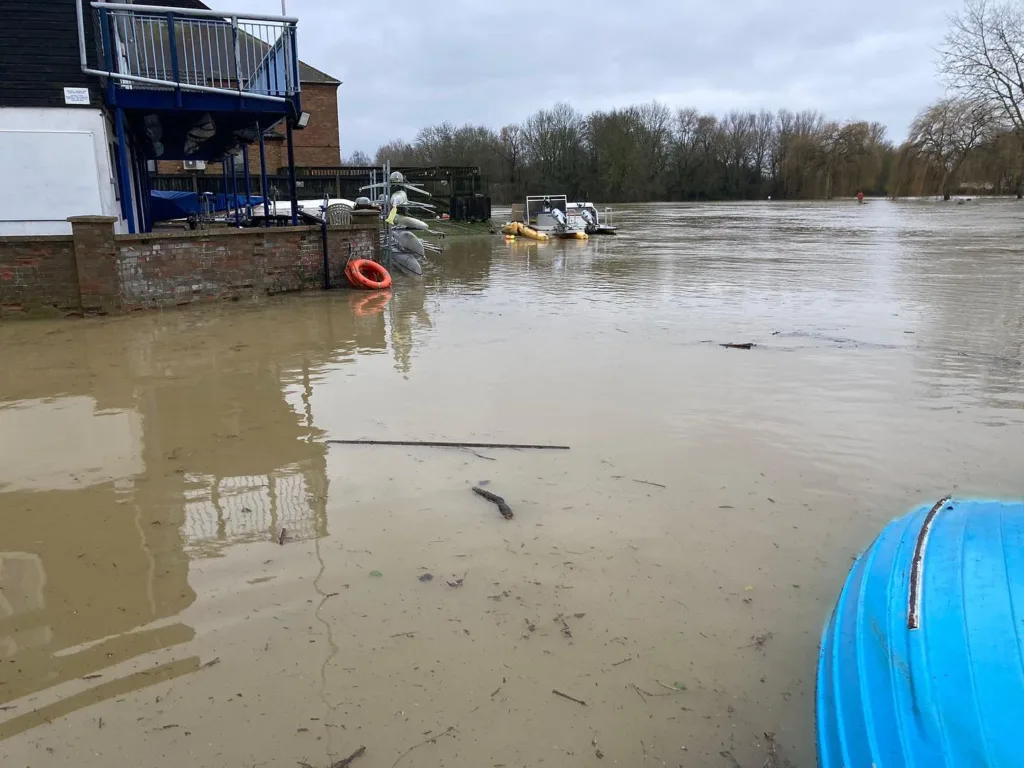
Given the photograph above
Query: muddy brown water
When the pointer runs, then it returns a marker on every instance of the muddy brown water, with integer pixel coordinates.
(148, 615)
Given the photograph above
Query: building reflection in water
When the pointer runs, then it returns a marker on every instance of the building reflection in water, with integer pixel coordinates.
(148, 442)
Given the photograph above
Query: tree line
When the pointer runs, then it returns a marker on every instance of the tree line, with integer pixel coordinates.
(650, 152)
(972, 140)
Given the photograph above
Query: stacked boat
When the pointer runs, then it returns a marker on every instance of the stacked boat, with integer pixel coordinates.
(407, 249)
(922, 661)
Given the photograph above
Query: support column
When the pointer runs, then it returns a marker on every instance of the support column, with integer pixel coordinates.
(123, 172)
(263, 181)
(248, 182)
(291, 175)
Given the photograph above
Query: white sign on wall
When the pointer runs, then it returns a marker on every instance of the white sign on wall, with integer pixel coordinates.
(76, 96)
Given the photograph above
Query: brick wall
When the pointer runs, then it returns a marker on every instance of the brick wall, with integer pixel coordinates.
(38, 275)
(319, 142)
(97, 272)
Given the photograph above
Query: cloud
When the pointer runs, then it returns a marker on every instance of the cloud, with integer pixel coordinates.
(410, 64)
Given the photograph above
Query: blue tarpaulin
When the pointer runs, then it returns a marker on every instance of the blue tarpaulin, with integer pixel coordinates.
(167, 206)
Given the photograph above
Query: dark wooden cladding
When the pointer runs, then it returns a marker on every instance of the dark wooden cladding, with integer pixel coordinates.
(39, 53)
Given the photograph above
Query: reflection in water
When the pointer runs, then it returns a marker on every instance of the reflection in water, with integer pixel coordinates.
(195, 446)
(148, 465)
(42, 446)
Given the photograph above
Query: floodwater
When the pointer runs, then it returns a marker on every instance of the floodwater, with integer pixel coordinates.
(673, 569)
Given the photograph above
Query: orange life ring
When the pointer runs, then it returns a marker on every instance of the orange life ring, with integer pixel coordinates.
(363, 273)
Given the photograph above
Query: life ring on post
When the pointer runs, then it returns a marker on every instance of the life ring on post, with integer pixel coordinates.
(367, 274)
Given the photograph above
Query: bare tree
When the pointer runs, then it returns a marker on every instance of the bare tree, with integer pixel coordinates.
(397, 151)
(764, 127)
(983, 56)
(946, 132)
(358, 158)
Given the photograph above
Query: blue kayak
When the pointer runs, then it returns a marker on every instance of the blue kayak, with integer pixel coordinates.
(922, 661)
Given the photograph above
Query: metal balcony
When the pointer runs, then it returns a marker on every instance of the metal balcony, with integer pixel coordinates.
(183, 51)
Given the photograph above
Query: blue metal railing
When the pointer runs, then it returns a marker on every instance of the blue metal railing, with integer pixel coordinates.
(194, 50)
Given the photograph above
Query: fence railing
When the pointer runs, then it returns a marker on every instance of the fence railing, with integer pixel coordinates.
(194, 50)
(460, 206)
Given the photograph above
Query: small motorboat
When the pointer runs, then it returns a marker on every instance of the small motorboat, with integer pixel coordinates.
(548, 214)
(922, 661)
(593, 223)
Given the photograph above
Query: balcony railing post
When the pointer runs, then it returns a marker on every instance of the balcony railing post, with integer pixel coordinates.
(172, 40)
(293, 61)
(238, 53)
(108, 56)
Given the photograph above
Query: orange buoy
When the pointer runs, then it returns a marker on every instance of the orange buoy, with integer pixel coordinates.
(366, 274)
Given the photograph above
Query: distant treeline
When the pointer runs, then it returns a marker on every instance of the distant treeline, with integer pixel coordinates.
(649, 152)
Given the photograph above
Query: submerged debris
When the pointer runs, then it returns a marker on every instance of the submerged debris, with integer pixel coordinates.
(442, 444)
(758, 641)
(744, 345)
(581, 702)
(505, 509)
(341, 763)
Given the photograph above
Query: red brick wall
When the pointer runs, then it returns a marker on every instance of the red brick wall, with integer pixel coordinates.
(37, 274)
(317, 144)
(97, 272)
(166, 270)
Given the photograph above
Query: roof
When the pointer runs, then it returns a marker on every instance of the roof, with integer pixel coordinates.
(307, 73)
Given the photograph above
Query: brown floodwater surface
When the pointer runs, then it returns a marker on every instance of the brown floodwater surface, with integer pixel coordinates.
(672, 571)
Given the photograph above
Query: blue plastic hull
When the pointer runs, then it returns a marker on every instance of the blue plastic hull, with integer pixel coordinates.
(922, 661)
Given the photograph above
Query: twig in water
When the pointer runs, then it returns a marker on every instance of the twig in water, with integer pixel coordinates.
(281, 535)
(619, 663)
(431, 740)
(744, 345)
(643, 693)
(481, 456)
(350, 759)
(570, 698)
(211, 662)
(648, 482)
(677, 688)
(404, 634)
(505, 509)
(639, 693)
(644, 750)
(441, 444)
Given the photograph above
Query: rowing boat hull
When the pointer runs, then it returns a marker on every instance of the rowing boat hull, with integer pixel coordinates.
(922, 661)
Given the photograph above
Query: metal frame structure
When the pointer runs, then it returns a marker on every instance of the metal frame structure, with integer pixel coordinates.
(241, 68)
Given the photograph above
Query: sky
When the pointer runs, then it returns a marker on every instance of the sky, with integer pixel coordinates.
(408, 64)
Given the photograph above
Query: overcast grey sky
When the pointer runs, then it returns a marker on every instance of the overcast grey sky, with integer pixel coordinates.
(492, 63)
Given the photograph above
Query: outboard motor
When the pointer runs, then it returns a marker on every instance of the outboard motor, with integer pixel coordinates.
(588, 219)
(557, 215)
